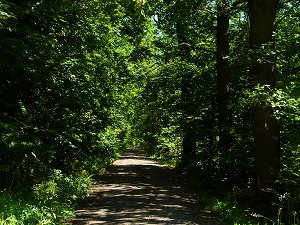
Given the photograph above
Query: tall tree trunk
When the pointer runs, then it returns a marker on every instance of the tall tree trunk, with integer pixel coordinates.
(189, 146)
(223, 74)
(266, 130)
(189, 142)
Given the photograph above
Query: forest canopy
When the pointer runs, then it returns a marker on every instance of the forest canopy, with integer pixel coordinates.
(209, 86)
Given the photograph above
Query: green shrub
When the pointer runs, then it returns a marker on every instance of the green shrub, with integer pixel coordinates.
(50, 202)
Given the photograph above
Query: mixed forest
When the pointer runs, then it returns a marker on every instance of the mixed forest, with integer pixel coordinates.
(211, 87)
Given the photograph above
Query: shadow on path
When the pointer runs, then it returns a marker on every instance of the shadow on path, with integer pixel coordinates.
(138, 190)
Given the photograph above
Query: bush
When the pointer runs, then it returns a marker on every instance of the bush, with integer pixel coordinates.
(49, 202)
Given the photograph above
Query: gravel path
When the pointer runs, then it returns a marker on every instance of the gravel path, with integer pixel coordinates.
(138, 190)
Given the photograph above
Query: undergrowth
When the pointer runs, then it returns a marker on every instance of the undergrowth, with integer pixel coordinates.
(48, 202)
(242, 207)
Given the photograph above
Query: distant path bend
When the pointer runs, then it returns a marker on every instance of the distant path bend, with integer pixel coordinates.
(138, 190)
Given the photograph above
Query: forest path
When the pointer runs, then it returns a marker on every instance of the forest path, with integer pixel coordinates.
(138, 190)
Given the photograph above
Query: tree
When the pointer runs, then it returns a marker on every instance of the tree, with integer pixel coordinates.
(266, 129)
(60, 73)
(223, 73)
(188, 142)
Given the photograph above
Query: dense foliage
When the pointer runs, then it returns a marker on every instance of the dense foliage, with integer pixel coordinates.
(180, 100)
(82, 80)
(61, 65)
(50, 202)
(62, 68)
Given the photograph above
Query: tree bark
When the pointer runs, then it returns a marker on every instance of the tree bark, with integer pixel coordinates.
(189, 141)
(266, 129)
(223, 74)
(189, 146)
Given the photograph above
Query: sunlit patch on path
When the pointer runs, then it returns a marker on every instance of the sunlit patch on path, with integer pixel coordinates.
(138, 190)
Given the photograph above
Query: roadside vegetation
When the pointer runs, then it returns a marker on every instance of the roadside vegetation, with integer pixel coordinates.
(210, 87)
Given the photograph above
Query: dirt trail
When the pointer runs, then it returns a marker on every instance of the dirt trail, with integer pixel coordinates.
(138, 190)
